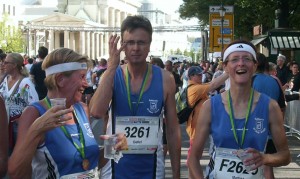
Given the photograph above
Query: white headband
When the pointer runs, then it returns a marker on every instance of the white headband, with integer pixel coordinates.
(241, 47)
(65, 67)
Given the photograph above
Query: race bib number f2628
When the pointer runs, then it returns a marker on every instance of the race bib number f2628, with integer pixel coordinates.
(228, 165)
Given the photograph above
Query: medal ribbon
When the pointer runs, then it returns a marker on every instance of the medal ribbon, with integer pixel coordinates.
(231, 116)
(80, 148)
(127, 78)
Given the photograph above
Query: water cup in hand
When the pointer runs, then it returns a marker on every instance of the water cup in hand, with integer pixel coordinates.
(109, 151)
(58, 101)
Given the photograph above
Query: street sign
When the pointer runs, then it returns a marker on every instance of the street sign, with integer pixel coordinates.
(226, 31)
(215, 28)
(216, 9)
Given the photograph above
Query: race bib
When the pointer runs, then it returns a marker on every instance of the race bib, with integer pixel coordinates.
(228, 165)
(91, 174)
(141, 133)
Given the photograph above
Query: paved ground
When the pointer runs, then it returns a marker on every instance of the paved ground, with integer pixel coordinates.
(291, 171)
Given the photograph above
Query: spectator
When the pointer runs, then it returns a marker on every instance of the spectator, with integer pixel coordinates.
(3, 138)
(2, 71)
(38, 75)
(29, 64)
(282, 70)
(18, 92)
(169, 67)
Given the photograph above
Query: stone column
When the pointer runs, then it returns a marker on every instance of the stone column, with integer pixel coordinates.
(93, 55)
(118, 18)
(29, 43)
(104, 15)
(72, 41)
(123, 16)
(101, 45)
(111, 17)
(66, 39)
(97, 45)
(88, 44)
(57, 38)
(82, 43)
(51, 40)
(105, 41)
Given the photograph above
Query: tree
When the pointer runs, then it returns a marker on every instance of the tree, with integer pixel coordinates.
(247, 13)
(11, 37)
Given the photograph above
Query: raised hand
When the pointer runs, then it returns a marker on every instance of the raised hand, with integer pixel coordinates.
(114, 52)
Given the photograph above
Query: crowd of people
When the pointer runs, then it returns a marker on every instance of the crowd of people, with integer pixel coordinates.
(234, 108)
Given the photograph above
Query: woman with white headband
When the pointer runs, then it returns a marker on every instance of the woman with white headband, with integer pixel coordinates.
(239, 121)
(56, 141)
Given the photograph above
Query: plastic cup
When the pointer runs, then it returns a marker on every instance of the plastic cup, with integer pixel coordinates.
(109, 151)
(243, 156)
(58, 101)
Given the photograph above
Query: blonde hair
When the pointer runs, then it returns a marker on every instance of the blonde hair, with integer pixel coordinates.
(59, 56)
(19, 60)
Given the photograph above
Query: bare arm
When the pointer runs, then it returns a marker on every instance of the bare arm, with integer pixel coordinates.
(3, 139)
(282, 156)
(30, 133)
(172, 125)
(202, 133)
(100, 101)
(217, 82)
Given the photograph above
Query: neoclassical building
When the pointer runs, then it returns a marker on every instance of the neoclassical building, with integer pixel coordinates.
(82, 25)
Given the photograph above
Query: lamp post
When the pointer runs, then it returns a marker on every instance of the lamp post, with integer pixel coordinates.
(222, 11)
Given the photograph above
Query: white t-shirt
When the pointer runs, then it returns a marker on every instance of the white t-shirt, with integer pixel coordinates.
(24, 95)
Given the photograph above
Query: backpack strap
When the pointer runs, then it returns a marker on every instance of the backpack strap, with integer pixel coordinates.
(187, 98)
(193, 107)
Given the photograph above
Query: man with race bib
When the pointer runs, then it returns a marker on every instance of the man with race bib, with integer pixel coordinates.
(239, 121)
(136, 93)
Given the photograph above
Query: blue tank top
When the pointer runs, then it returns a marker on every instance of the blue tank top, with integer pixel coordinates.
(256, 131)
(57, 156)
(146, 166)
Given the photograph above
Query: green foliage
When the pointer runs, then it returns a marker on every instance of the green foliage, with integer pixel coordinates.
(247, 13)
(11, 37)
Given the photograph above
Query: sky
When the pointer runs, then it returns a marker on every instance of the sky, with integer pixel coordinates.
(170, 7)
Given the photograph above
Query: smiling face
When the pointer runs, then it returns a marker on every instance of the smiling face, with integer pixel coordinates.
(74, 86)
(137, 45)
(240, 67)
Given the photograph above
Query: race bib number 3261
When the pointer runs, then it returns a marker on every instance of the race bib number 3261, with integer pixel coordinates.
(141, 133)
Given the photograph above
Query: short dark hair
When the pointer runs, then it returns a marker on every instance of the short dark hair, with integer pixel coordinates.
(2, 56)
(157, 61)
(42, 52)
(262, 62)
(30, 60)
(133, 22)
